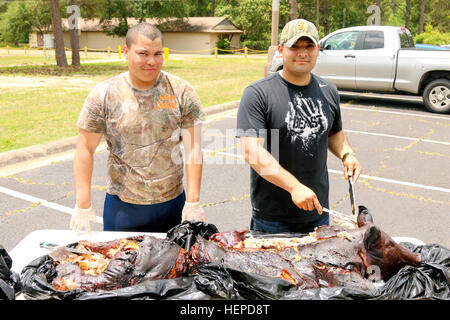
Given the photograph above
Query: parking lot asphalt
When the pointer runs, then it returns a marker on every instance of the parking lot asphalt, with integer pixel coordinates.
(405, 152)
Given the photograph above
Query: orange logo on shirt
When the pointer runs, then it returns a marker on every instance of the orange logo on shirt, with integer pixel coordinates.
(167, 102)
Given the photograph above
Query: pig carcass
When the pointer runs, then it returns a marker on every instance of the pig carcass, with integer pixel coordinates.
(328, 257)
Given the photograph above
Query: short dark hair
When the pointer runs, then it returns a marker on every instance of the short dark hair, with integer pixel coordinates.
(146, 29)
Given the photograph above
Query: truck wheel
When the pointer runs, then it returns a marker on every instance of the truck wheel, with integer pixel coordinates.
(436, 96)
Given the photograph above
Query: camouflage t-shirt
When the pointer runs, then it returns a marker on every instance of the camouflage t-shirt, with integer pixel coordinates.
(143, 131)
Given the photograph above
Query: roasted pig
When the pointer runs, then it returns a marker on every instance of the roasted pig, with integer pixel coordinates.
(329, 256)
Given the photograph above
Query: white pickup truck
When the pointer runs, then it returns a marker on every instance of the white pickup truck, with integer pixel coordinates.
(383, 59)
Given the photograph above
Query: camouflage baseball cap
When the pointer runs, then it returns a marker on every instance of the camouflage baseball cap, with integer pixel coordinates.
(295, 29)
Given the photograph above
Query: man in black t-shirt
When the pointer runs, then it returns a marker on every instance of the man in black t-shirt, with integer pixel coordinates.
(286, 123)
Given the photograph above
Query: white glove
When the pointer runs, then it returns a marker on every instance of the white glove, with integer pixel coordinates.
(81, 218)
(193, 211)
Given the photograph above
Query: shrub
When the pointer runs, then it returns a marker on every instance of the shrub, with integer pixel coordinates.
(223, 44)
(256, 44)
(433, 36)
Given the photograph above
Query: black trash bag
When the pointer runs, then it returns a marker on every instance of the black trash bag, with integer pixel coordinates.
(429, 280)
(222, 282)
(186, 233)
(214, 280)
(9, 280)
(147, 290)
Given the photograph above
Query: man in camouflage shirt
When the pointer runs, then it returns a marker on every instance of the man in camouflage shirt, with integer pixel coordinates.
(143, 114)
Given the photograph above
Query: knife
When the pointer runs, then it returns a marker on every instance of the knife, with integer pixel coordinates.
(352, 194)
(61, 253)
(51, 246)
(338, 214)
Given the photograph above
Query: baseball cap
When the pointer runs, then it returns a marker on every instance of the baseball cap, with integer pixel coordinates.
(295, 29)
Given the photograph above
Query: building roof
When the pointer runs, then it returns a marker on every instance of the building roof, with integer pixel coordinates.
(190, 24)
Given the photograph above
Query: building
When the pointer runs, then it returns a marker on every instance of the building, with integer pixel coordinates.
(197, 35)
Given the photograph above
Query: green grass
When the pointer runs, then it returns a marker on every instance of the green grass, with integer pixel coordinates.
(38, 115)
(41, 114)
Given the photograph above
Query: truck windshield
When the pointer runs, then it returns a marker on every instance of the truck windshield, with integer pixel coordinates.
(406, 39)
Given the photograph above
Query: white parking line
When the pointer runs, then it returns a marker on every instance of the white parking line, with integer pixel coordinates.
(398, 113)
(404, 183)
(41, 202)
(398, 137)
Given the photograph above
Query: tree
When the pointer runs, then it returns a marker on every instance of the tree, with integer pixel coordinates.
(326, 22)
(422, 16)
(317, 13)
(213, 8)
(121, 10)
(16, 23)
(254, 17)
(437, 12)
(294, 9)
(60, 52)
(41, 17)
(407, 13)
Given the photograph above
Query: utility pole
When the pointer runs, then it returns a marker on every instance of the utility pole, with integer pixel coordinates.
(275, 20)
(274, 39)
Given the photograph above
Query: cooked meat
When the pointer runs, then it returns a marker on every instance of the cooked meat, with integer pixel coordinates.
(130, 263)
(329, 256)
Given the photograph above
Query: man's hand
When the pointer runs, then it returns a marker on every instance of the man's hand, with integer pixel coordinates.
(81, 218)
(193, 211)
(304, 198)
(352, 167)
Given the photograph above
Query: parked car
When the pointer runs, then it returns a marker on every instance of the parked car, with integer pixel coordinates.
(383, 59)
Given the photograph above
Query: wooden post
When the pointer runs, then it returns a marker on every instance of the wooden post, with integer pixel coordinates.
(245, 52)
(109, 51)
(7, 48)
(85, 51)
(215, 52)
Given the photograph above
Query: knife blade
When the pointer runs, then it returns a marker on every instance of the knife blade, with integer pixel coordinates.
(61, 253)
(338, 214)
(352, 194)
(52, 246)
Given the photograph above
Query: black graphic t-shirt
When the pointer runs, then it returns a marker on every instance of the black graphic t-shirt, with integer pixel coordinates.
(295, 122)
